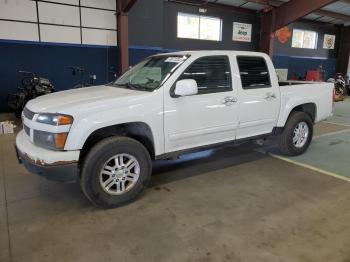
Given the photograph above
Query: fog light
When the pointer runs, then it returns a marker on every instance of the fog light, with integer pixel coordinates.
(50, 140)
(60, 140)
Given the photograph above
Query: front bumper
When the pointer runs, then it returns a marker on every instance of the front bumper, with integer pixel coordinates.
(54, 165)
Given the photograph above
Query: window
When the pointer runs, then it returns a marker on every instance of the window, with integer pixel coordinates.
(254, 72)
(210, 28)
(304, 39)
(212, 74)
(198, 27)
(187, 26)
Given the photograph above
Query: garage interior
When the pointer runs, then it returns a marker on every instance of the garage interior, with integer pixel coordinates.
(245, 202)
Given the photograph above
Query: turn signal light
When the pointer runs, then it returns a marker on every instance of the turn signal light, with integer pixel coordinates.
(64, 120)
(60, 140)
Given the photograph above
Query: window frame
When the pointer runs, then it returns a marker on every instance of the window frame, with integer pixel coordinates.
(255, 87)
(210, 91)
(302, 43)
(199, 27)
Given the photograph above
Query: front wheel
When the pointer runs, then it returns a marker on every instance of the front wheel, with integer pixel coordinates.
(297, 134)
(115, 172)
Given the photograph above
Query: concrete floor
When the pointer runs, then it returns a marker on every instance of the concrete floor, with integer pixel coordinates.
(232, 204)
(330, 150)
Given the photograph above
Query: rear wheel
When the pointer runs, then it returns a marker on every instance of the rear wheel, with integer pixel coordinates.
(297, 134)
(115, 172)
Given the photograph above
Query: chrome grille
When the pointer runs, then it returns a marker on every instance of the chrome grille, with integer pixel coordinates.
(28, 114)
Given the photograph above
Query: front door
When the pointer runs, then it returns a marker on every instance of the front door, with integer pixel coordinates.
(209, 117)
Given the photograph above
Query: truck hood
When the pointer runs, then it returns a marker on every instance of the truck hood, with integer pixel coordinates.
(71, 100)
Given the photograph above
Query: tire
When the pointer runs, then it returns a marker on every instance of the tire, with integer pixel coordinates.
(285, 140)
(100, 159)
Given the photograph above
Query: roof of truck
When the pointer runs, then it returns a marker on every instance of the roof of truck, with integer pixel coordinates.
(214, 52)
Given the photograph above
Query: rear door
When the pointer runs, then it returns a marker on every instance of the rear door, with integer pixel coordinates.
(259, 97)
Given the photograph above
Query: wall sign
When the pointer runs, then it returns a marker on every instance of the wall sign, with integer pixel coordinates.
(328, 41)
(283, 34)
(242, 32)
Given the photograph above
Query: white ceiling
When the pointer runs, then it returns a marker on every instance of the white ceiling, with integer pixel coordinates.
(340, 7)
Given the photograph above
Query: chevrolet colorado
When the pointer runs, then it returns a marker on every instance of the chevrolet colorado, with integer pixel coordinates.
(169, 104)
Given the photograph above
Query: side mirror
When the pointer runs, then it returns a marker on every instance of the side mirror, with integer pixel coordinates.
(186, 87)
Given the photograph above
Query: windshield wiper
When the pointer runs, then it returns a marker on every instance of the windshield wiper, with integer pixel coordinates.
(133, 86)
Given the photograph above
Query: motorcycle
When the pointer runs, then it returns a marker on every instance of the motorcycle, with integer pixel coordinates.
(339, 84)
(347, 83)
(32, 86)
(76, 70)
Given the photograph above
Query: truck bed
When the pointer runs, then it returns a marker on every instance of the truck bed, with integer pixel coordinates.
(318, 93)
(296, 82)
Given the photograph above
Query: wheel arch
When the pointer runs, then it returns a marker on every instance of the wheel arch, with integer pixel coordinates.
(139, 131)
(309, 108)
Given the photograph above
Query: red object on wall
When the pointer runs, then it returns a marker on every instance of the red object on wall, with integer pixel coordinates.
(283, 34)
(313, 75)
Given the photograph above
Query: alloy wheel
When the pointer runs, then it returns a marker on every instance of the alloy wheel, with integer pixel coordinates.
(119, 174)
(300, 134)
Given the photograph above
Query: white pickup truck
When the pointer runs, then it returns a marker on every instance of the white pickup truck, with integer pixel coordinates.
(169, 104)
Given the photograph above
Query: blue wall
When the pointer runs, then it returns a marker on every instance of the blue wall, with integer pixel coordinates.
(52, 61)
(300, 65)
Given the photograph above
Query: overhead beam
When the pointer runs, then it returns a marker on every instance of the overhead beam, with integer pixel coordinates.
(296, 9)
(127, 4)
(270, 3)
(283, 15)
(332, 14)
(276, 3)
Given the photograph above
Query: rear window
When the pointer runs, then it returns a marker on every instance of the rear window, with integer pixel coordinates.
(254, 72)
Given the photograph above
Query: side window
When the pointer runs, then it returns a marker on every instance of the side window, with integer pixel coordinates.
(254, 72)
(212, 74)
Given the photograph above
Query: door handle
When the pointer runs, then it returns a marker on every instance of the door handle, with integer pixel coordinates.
(229, 100)
(270, 96)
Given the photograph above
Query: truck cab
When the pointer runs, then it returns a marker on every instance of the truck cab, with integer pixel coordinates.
(107, 136)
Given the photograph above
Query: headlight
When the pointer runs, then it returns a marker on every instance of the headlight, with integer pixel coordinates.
(50, 140)
(55, 119)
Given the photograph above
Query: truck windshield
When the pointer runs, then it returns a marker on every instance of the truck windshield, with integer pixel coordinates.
(151, 73)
